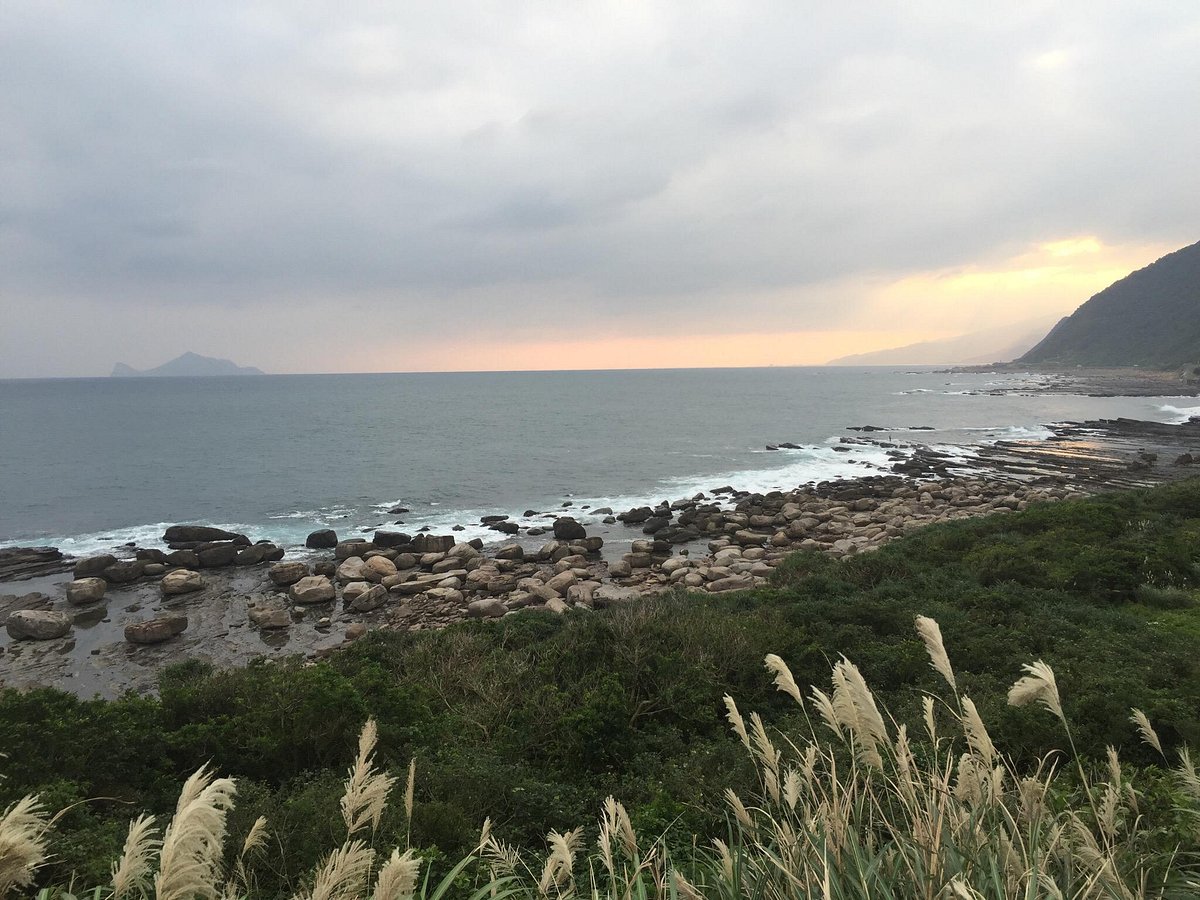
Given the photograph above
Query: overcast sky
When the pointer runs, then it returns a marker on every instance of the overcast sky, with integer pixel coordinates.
(309, 186)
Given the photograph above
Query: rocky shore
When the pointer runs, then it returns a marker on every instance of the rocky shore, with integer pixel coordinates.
(109, 623)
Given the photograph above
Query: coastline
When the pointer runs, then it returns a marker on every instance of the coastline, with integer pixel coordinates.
(722, 540)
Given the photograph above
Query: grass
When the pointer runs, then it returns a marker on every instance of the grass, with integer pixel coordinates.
(850, 806)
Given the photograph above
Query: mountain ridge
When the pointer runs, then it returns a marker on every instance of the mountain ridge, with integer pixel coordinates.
(1150, 318)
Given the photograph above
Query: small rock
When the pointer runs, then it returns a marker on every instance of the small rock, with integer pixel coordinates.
(155, 631)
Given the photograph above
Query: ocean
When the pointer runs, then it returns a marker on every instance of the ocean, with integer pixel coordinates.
(89, 464)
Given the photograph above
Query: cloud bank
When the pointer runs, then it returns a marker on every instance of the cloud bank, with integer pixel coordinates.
(352, 186)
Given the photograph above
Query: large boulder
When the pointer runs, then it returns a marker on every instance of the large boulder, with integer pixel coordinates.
(258, 553)
(124, 571)
(284, 574)
(386, 539)
(268, 617)
(37, 624)
(381, 567)
(372, 598)
(213, 556)
(155, 631)
(347, 549)
(567, 529)
(355, 569)
(513, 551)
(181, 581)
(93, 565)
(432, 543)
(612, 595)
(197, 534)
(487, 608)
(82, 591)
(312, 589)
(186, 558)
(324, 539)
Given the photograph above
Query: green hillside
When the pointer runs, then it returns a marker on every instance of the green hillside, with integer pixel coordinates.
(1150, 318)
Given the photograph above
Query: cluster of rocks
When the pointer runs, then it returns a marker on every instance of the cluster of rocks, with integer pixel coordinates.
(428, 581)
(189, 548)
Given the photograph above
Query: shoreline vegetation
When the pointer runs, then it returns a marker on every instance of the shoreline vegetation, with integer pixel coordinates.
(534, 720)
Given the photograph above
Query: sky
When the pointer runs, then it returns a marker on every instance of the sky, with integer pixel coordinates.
(351, 187)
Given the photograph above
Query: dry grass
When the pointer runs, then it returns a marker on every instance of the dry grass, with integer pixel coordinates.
(854, 809)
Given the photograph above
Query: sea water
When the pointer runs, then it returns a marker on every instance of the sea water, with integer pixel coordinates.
(89, 464)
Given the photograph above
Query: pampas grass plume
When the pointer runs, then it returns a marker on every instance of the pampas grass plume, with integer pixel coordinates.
(931, 633)
(191, 846)
(1146, 730)
(397, 877)
(366, 790)
(1037, 686)
(783, 677)
(23, 830)
(131, 873)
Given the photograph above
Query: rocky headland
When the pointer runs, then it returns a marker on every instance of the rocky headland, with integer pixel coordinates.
(109, 623)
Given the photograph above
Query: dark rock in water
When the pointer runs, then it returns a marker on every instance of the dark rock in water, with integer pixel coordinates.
(199, 533)
(37, 624)
(1185, 459)
(155, 631)
(185, 558)
(123, 571)
(398, 510)
(458, 528)
(386, 539)
(93, 565)
(216, 555)
(655, 524)
(637, 516)
(567, 529)
(530, 513)
(602, 511)
(259, 553)
(491, 520)
(505, 527)
(325, 539)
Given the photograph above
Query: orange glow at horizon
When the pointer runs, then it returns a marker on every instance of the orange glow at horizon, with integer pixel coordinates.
(683, 351)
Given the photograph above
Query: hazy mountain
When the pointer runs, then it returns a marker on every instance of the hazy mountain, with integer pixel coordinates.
(1149, 318)
(975, 348)
(190, 364)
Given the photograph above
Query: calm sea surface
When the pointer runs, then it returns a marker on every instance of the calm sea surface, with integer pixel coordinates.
(90, 463)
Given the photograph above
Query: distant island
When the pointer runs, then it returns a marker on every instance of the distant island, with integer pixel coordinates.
(1150, 318)
(189, 364)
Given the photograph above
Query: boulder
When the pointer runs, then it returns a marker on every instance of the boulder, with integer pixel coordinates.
(93, 565)
(356, 630)
(372, 598)
(433, 543)
(85, 590)
(567, 529)
(462, 552)
(186, 558)
(560, 582)
(556, 606)
(213, 556)
(312, 589)
(380, 568)
(189, 534)
(347, 549)
(510, 551)
(487, 608)
(732, 583)
(124, 571)
(37, 624)
(324, 539)
(258, 553)
(269, 617)
(284, 574)
(153, 569)
(612, 595)
(155, 631)
(387, 539)
(181, 581)
(355, 569)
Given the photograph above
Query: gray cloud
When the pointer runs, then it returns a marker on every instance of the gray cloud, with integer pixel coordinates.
(637, 164)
